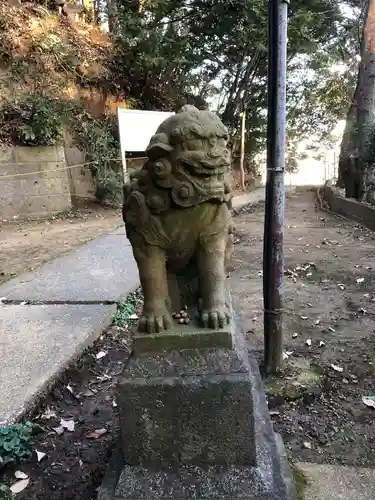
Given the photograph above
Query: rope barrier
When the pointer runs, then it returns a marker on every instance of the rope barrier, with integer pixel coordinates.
(8, 176)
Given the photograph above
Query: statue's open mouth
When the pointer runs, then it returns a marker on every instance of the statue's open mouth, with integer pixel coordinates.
(202, 170)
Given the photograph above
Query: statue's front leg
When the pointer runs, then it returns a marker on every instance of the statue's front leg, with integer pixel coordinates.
(156, 315)
(211, 263)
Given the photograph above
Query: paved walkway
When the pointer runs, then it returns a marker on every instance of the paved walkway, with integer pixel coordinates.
(334, 482)
(51, 314)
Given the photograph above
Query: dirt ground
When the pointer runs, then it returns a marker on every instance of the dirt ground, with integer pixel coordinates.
(329, 302)
(317, 408)
(25, 245)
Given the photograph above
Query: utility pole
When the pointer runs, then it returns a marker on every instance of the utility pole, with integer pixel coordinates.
(242, 158)
(273, 246)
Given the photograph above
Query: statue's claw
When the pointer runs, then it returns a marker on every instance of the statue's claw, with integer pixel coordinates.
(214, 318)
(155, 321)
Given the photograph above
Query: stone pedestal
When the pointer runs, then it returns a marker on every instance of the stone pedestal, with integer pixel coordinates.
(195, 424)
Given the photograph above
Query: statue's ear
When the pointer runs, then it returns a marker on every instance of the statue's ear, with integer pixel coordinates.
(159, 146)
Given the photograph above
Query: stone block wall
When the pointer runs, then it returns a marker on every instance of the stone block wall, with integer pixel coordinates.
(33, 182)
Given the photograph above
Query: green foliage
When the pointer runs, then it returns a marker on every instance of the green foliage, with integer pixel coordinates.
(127, 307)
(98, 138)
(5, 493)
(300, 480)
(34, 120)
(15, 443)
(154, 61)
(170, 53)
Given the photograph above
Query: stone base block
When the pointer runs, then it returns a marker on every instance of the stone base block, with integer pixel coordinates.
(195, 425)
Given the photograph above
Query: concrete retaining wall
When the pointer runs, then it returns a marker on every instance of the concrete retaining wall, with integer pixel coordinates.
(352, 209)
(80, 179)
(44, 191)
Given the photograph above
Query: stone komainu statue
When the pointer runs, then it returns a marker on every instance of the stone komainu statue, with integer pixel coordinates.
(177, 216)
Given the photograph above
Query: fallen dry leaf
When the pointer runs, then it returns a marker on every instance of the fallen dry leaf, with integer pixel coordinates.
(96, 434)
(369, 401)
(20, 475)
(67, 424)
(337, 368)
(49, 414)
(101, 354)
(40, 455)
(70, 389)
(19, 486)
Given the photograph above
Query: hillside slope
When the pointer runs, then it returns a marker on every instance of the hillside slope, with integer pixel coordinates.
(53, 58)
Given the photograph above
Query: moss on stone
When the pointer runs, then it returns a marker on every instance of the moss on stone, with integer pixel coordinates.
(300, 480)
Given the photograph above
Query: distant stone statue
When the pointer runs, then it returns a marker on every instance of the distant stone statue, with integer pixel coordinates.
(177, 216)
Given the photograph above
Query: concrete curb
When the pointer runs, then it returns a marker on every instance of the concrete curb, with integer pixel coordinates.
(347, 208)
(38, 344)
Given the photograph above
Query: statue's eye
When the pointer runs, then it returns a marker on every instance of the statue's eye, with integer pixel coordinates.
(193, 144)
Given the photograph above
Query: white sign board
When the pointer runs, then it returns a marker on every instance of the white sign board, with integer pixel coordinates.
(136, 129)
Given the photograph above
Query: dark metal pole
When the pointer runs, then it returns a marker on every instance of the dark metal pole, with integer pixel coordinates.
(273, 249)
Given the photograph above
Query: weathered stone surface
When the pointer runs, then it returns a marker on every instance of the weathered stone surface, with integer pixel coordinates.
(102, 270)
(204, 420)
(188, 407)
(269, 479)
(37, 343)
(177, 215)
(197, 483)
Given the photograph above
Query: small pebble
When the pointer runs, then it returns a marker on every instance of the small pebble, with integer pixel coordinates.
(186, 321)
(178, 316)
(181, 320)
(184, 314)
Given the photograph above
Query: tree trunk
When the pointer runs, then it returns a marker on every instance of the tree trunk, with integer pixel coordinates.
(347, 175)
(112, 16)
(366, 103)
(355, 165)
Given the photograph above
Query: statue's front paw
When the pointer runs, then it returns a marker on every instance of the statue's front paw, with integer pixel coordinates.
(215, 318)
(155, 321)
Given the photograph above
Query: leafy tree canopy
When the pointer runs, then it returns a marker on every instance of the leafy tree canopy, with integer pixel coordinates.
(200, 51)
